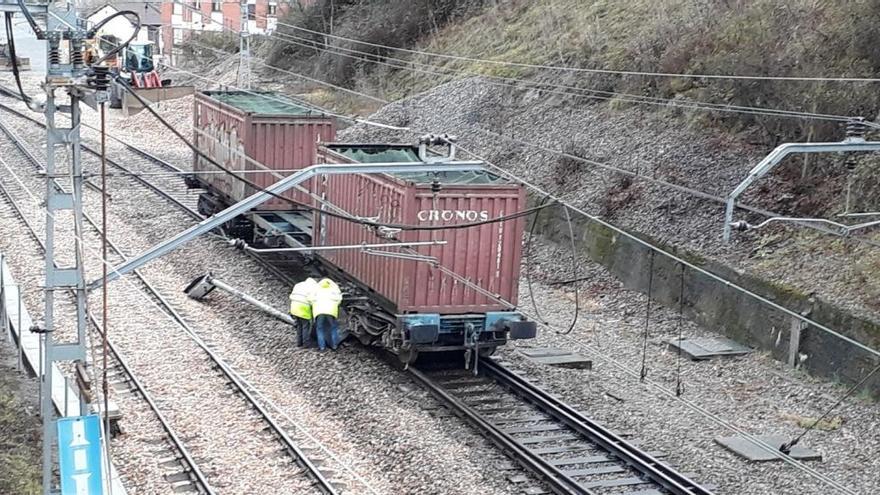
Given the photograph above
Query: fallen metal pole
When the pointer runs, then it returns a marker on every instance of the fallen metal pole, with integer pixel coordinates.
(203, 285)
(279, 187)
(248, 299)
(348, 246)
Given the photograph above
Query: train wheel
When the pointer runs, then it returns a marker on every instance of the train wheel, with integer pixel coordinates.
(487, 351)
(408, 356)
(365, 338)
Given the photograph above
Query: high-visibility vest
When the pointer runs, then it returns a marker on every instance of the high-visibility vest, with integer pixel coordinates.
(300, 299)
(326, 298)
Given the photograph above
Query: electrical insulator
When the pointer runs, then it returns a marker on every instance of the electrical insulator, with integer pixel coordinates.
(76, 53)
(99, 78)
(54, 52)
(856, 127)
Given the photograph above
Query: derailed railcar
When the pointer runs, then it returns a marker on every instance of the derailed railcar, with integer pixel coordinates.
(253, 133)
(464, 299)
(457, 296)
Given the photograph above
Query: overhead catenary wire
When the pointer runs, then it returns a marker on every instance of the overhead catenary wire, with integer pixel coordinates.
(545, 86)
(580, 69)
(644, 370)
(715, 418)
(679, 387)
(689, 190)
(222, 363)
(539, 86)
(786, 447)
(727, 283)
(13, 56)
(362, 221)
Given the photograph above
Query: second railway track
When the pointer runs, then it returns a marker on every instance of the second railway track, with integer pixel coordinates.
(566, 451)
(223, 432)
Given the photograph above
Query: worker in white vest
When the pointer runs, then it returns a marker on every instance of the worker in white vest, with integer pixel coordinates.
(325, 310)
(301, 310)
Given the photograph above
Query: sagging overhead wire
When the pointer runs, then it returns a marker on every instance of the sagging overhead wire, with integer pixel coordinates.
(349, 218)
(685, 189)
(13, 55)
(592, 94)
(545, 86)
(91, 33)
(692, 405)
(504, 173)
(580, 69)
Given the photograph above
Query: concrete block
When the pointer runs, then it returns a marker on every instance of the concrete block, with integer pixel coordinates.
(753, 453)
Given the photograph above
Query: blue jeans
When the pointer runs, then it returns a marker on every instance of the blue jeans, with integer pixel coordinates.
(327, 331)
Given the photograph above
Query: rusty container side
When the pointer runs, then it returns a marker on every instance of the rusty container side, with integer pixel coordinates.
(267, 133)
(286, 143)
(220, 131)
(487, 255)
(366, 195)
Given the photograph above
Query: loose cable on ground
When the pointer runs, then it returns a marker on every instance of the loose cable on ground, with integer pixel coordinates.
(644, 370)
(679, 387)
(574, 270)
(786, 448)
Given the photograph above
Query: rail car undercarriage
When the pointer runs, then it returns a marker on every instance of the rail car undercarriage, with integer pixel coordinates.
(365, 314)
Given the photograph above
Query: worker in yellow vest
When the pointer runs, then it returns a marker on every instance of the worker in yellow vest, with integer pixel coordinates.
(301, 310)
(325, 310)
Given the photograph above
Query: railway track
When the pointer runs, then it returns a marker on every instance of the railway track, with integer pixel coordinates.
(182, 471)
(282, 430)
(168, 187)
(566, 451)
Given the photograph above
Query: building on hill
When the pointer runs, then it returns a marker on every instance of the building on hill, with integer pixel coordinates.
(183, 18)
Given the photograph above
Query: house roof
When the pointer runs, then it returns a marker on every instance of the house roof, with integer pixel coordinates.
(148, 12)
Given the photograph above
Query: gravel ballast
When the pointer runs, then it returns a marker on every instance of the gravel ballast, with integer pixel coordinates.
(350, 400)
(362, 412)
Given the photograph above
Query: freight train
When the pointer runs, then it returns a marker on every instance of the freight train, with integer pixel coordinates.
(458, 294)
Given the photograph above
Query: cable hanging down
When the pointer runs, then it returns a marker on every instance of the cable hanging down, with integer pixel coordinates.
(644, 370)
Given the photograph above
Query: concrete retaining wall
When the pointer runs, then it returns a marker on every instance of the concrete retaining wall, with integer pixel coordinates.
(716, 306)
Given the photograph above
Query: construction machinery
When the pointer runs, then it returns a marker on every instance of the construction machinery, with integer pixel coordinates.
(135, 67)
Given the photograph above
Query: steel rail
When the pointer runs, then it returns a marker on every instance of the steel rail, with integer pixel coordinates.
(176, 442)
(156, 189)
(299, 457)
(555, 479)
(655, 470)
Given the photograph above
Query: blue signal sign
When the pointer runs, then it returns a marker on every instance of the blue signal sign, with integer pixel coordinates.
(79, 455)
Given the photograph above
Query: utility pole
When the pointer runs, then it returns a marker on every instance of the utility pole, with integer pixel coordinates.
(66, 72)
(244, 49)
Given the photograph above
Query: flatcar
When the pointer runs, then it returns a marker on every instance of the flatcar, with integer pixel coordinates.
(457, 296)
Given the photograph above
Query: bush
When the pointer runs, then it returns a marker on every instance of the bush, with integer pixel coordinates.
(398, 23)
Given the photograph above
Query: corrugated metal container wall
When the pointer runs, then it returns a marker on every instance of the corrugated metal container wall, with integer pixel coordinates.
(280, 141)
(219, 131)
(488, 255)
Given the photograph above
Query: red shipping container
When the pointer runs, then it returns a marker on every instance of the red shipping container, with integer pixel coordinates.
(488, 255)
(267, 128)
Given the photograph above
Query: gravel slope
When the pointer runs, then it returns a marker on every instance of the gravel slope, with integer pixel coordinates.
(653, 144)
